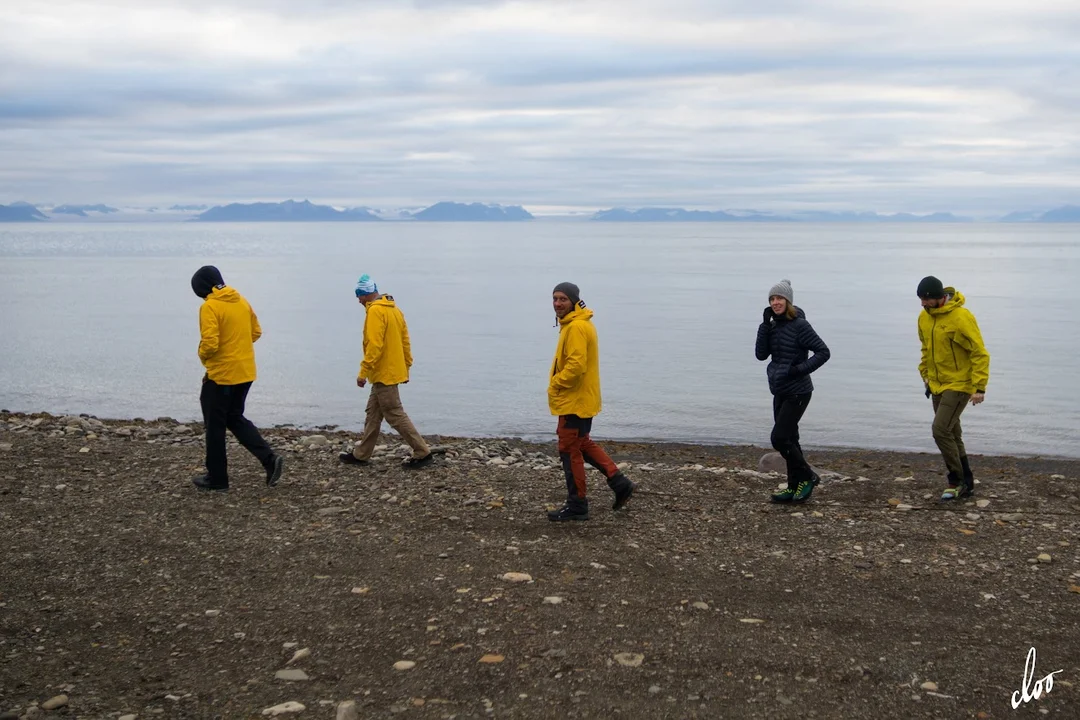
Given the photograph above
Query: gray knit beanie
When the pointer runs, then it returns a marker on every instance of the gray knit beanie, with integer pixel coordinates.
(783, 289)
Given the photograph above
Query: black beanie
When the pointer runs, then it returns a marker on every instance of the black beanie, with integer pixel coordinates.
(930, 288)
(206, 279)
(570, 290)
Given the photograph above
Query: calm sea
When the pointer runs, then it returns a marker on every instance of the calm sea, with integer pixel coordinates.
(101, 319)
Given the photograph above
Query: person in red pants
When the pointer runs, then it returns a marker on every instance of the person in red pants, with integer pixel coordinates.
(574, 396)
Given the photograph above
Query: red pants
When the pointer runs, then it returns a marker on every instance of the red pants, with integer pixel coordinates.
(575, 449)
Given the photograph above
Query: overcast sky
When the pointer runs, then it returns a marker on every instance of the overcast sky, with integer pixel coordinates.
(918, 106)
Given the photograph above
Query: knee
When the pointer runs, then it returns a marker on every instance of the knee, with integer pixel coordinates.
(940, 431)
(780, 440)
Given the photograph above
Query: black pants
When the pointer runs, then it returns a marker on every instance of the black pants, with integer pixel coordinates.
(223, 409)
(787, 411)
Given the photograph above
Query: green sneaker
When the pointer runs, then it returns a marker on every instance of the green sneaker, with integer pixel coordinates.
(803, 490)
(955, 488)
(784, 495)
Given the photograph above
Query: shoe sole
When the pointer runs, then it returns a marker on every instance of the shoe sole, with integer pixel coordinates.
(275, 474)
(204, 488)
(569, 518)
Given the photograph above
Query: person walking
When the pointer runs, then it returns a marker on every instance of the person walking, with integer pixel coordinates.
(228, 329)
(955, 368)
(787, 337)
(574, 396)
(386, 363)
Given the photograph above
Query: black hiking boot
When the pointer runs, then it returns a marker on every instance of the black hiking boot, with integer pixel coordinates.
(273, 470)
(968, 488)
(571, 511)
(349, 459)
(203, 482)
(415, 463)
(623, 488)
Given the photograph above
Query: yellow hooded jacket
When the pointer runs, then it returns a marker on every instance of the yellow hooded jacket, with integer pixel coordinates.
(953, 354)
(228, 329)
(574, 388)
(387, 352)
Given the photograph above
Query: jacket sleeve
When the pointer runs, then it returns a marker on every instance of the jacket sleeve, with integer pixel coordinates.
(209, 332)
(575, 353)
(405, 344)
(374, 340)
(810, 340)
(256, 329)
(761, 347)
(970, 338)
(924, 357)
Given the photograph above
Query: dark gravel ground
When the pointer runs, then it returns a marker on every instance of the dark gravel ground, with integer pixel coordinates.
(131, 593)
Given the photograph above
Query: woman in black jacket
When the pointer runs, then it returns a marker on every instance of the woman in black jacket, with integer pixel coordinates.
(788, 338)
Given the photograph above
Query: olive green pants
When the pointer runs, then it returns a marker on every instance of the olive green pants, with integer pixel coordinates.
(947, 433)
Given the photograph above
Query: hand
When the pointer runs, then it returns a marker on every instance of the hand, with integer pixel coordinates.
(767, 316)
(361, 382)
(792, 373)
(978, 398)
(928, 393)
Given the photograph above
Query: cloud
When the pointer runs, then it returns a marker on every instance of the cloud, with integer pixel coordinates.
(703, 103)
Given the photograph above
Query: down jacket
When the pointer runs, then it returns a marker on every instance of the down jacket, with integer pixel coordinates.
(789, 343)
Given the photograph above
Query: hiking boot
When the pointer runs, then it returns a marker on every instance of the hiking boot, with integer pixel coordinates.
(803, 490)
(273, 470)
(415, 463)
(349, 459)
(968, 488)
(623, 488)
(954, 489)
(784, 496)
(569, 512)
(203, 482)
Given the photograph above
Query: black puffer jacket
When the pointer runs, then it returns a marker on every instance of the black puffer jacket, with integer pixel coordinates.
(789, 342)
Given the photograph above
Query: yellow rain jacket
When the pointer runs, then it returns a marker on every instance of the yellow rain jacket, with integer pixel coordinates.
(953, 354)
(574, 388)
(387, 352)
(228, 329)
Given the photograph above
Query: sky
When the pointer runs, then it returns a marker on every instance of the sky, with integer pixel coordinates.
(557, 105)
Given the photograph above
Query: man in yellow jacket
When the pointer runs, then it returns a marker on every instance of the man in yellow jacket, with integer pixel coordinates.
(574, 396)
(955, 368)
(386, 363)
(228, 330)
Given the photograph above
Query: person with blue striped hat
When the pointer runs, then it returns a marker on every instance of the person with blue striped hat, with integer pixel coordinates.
(386, 364)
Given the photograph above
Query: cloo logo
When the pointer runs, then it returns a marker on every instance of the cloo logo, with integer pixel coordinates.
(1026, 692)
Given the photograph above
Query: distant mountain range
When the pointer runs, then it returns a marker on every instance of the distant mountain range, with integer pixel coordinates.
(306, 211)
(20, 212)
(474, 212)
(288, 211)
(292, 211)
(81, 210)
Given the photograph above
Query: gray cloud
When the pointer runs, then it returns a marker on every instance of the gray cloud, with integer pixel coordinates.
(710, 104)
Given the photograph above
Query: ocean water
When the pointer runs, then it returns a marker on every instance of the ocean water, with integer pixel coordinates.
(100, 318)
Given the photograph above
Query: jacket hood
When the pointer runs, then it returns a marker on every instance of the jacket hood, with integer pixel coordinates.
(385, 301)
(956, 300)
(579, 313)
(206, 279)
(224, 293)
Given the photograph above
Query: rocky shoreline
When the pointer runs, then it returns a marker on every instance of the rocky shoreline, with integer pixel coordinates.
(445, 593)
